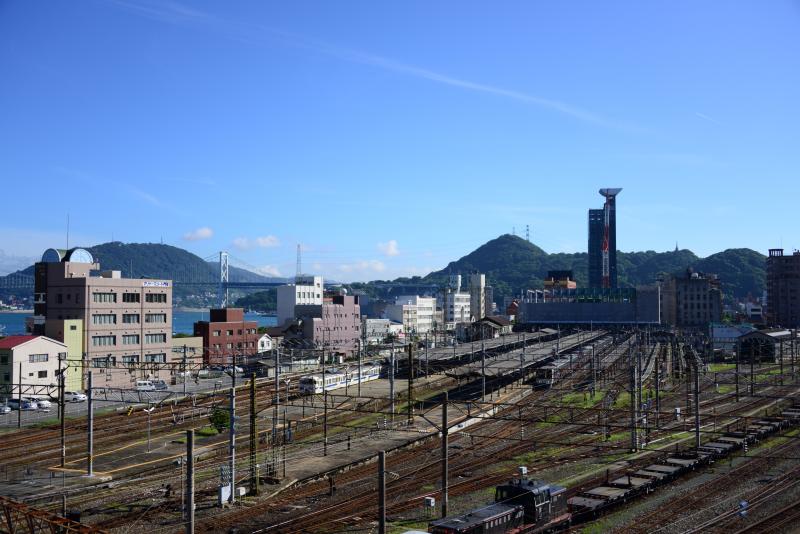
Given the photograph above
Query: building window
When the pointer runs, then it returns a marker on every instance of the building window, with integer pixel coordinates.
(130, 360)
(42, 374)
(59, 298)
(130, 318)
(105, 362)
(130, 297)
(104, 297)
(73, 327)
(102, 341)
(4, 360)
(6, 377)
(155, 318)
(215, 333)
(38, 358)
(230, 332)
(229, 346)
(155, 358)
(155, 338)
(104, 318)
(131, 339)
(156, 297)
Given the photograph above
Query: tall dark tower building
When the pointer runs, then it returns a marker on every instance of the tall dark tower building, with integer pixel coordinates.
(603, 241)
(783, 288)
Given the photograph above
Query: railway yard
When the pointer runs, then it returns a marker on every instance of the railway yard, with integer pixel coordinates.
(643, 434)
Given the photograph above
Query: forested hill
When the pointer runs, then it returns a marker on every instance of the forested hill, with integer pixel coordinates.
(513, 264)
(154, 260)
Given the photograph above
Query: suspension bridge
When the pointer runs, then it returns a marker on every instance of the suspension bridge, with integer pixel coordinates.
(220, 270)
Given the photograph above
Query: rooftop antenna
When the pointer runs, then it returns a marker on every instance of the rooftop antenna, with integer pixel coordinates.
(527, 233)
(67, 231)
(299, 264)
(513, 230)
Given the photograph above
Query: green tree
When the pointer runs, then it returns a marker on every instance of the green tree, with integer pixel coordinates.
(220, 419)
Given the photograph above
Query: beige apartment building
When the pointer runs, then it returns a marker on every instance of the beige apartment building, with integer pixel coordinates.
(127, 323)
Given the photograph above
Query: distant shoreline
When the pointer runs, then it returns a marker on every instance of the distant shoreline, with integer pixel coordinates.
(16, 311)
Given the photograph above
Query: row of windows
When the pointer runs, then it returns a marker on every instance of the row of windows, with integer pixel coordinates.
(111, 361)
(105, 318)
(106, 297)
(239, 345)
(38, 358)
(155, 318)
(216, 333)
(60, 298)
(128, 339)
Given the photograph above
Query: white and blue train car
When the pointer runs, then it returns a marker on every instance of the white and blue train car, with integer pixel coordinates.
(335, 379)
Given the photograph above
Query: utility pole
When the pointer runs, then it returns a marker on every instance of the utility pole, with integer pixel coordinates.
(632, 373)
(19, 397)
(277, 400)
(658, 386)
(253, 437)
(183, 364)
(391, 381)
(444, 455)
(232, 441)
(62, 408)
(381, 492)
(90, 424)
(410, 384)
(324, 405)
(696, 404)
(736, 374)
(190, 482)
(427, 370)
(483, 367)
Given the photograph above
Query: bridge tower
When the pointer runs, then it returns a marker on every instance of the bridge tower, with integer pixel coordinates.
(223, 279)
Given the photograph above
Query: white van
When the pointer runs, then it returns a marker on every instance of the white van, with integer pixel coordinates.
(145, 385)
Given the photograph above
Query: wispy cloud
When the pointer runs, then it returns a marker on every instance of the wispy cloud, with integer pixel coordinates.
(268, 270)
(389, 248)
(363, 267)
(179, 14)
(245, 243)
(199, 234)
(707, 118)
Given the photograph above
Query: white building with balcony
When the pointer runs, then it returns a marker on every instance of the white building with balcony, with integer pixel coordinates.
(305, 290)
(415, 313)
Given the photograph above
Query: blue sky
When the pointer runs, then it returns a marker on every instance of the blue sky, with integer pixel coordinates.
(389, 139)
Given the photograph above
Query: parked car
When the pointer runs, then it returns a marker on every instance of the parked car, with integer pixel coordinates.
(26, 404)
(74, 396)
(145, 385)
(41, 404)
(160, 385)
(4, 409)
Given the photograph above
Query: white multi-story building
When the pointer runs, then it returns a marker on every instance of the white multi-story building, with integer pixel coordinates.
(305, 290)
(456, 308)
(415, 313)
(477, 292)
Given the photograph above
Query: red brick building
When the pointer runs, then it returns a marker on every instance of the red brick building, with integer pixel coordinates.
(226, 334)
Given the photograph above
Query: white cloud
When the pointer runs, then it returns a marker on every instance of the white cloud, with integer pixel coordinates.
(242, 243)
(201, 233)
(268, 270)
(245, 243)
(389, 248)
(363, 266)
(267, 241)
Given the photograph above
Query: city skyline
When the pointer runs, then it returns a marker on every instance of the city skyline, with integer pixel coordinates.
(218, 129)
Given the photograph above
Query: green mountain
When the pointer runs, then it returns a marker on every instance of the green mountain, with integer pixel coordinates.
(512, 265)
(155, 260)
